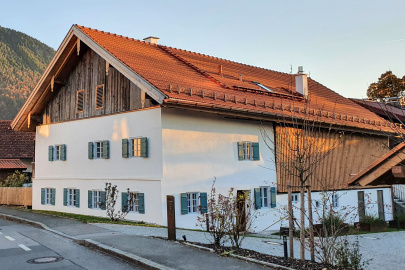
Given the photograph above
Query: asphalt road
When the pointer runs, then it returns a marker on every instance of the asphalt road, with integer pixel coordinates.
(25, 247)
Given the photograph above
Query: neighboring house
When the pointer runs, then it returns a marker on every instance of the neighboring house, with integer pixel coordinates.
(161, 121)
(16, 150)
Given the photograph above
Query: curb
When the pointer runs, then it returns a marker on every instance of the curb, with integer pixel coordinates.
(199, 247)
(275, 266)
(93, 244)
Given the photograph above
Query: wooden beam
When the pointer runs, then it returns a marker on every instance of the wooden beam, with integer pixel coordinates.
(78, 46)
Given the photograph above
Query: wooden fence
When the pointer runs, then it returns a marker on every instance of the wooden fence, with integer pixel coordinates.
(16, 196)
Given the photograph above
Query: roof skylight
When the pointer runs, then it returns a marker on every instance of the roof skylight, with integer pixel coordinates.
(262, 86)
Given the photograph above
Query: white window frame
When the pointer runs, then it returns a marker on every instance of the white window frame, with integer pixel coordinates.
(193, 202)
(133, 205)
(48, 196)
(71, 197)
(98, 149)
(247, 151)
(135, 147)
(96, 199)
(295, 198)
(335, 200)
(57, 152)
(265, 196)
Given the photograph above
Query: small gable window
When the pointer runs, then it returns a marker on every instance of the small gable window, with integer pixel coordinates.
(100, 97)
(80, 101)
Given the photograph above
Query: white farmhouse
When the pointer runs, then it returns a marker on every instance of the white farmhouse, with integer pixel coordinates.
(161, 121)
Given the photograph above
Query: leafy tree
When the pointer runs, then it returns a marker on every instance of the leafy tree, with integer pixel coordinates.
(388, 85)
(17, 179)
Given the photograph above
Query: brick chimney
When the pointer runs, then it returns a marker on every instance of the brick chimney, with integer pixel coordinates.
(301, 82)
(153, 40)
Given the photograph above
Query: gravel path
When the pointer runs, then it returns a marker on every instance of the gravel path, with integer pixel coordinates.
(385, 249)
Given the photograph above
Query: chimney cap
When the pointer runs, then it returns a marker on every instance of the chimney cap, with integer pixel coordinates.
(300, 69)
(150, 39)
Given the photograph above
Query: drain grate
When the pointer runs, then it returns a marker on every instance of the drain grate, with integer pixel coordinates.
(45, 260)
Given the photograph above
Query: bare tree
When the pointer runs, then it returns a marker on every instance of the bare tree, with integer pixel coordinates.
(111, 200)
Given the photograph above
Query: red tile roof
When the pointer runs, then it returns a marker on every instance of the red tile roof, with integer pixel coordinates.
(174, 72)
(15, 144)
(387, 111)
(6, 164)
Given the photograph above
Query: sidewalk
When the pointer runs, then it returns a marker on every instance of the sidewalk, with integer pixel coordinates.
(149, 252)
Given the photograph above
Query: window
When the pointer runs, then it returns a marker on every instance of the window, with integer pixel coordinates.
(335, 200)
(96, 199)
(99, 149)
(100, 96)
(262, 86)
(136, 147)
(265, 196)
(71, 197)
(317, 204)
(294, 198)
(48, 196)
(248, 151)
(192, 202)
(133, 202)
(57, 152)
(80, 101)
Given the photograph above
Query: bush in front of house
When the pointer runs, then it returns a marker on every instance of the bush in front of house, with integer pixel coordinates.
(17, 179)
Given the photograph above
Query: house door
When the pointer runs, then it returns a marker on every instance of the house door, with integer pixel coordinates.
(380, 202)
(361, 206)
(241, 204)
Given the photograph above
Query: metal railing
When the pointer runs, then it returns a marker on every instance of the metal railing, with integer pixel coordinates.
(399, 192)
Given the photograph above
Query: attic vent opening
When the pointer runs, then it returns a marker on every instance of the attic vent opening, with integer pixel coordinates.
(100, 96)
(262, 86)
(80, 101)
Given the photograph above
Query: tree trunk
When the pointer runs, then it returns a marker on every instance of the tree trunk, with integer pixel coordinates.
(311, 223)
(290, 221)
(302, 221)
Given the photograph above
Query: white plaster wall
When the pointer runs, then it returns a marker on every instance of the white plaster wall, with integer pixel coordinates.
(136, 173)
(198, 147)
(151, 189)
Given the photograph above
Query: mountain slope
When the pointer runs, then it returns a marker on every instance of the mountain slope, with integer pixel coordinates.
(22, 61)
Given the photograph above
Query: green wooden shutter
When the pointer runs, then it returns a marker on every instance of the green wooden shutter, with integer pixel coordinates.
(53, 195)
(240, 151)
(144, 147)
(184, 203)
(63, 152)
(125, 152)
(273, 193)
(203, 202)
(141, 200)
(50, 153)
(124, 202)
(258, 201)
(77, 193)
(65, 191)
(106, 149)
(103, 200)
(91, 150)
(256, 152)
(42, 196)
(90, 199)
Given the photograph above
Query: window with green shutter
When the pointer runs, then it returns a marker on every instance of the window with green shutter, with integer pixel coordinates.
(125, 146)
(65, 196)
(42, 196)
(273, 192)
(184, 203)
(258, 201)
(63, 152)
(50, 153)
(90, 199)
(144, 147)
(124, 202)
(248, 151)
(137, 147)
(77, 197)
(106, 149)
(53, 196)
(141, 203)
(91, 150)
(203, 202)
(256, 152)
(103, 200)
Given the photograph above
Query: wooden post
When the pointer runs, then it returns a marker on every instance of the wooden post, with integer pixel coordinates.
(290, 221)
(171, 222)
(311, 223)
(302, 222)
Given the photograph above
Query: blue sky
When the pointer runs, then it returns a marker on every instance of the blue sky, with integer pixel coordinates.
(345, 45)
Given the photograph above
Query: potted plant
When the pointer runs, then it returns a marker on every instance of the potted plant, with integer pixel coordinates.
(398, 222)
(371, 224)
(331, 224)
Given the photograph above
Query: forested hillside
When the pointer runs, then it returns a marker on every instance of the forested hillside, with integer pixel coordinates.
(22, 61)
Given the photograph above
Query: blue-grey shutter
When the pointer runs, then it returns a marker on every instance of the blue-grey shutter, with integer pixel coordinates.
(50, 153)
(90, 199)
(256, 152)
(63, 152)
(103, 200)
(42, 196)
(124, 202)
(77, 193)
(65, 191)
(91, 150)
(53, 195)
(184, 203)
(240, 151)
(144, 147)
(258, 201)
(141, 201)
(273, 193)
(106, 149)
(125, 152)
(203, 202)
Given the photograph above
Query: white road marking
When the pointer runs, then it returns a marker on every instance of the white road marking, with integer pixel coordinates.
(24, 247)
(272, 243)
(9, 238)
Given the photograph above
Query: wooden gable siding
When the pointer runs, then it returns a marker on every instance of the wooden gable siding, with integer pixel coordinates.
(120, 94)
(352, 154)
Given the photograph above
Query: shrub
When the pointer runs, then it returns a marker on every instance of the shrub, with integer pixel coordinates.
(371, 219)
(17, 179)
(348, 255)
